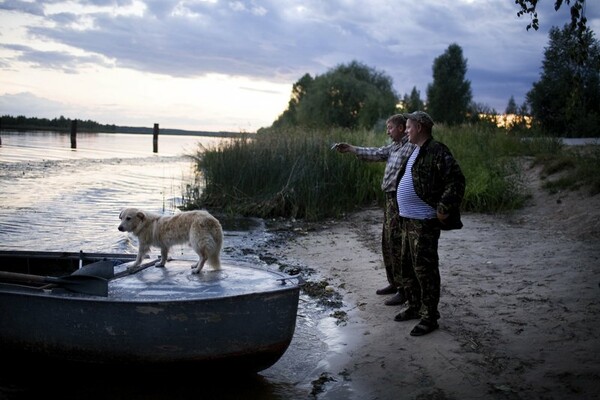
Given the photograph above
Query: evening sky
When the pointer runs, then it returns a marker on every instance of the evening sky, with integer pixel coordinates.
(230, 65)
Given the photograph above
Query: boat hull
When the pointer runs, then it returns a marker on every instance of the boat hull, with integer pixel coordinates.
(139, 325)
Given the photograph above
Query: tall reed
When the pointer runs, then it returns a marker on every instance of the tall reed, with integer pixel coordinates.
(493, 175)
(294, 173)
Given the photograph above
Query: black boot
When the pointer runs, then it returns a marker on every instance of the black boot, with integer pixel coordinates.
(389, 289)
(397, 300)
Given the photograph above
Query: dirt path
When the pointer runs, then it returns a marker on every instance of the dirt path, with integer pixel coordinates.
(520, 307)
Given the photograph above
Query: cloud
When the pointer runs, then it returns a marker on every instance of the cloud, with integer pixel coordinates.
(54, 60)
(280, 41)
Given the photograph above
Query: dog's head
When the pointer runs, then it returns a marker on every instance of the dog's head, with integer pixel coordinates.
(131, 218)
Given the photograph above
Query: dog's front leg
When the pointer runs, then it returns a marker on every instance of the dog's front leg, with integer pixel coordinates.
(138, 260)
(164, 253)
(140, 256)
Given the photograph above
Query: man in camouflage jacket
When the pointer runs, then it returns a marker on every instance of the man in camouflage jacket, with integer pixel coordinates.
(431, 187)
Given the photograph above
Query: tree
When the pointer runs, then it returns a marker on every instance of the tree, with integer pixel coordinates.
(523, 109)
(290, 116)
(482, 114)
(413, 101)
(566, 99)
(449, 96)
(511, 107)
(514, 119)
(578, 22)
(349, 96)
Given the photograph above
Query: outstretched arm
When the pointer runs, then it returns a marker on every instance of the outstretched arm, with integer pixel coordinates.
(344, 148)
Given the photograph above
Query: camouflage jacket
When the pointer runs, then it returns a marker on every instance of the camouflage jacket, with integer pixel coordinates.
(439, 181)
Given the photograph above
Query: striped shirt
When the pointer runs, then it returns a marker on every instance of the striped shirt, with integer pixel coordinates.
(394, 153)
(409, 204)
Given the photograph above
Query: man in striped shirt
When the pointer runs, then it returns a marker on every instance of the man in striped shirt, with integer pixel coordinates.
(394, 154)
(430, 191)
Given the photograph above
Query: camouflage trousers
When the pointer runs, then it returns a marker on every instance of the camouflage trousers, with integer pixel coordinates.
(390, 238)
(420, 265)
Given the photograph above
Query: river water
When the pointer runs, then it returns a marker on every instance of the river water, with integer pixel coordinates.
(55, 198)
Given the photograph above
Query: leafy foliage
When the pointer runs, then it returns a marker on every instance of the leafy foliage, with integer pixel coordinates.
(566, 99)
(578, 22)
(299, 89)
(449, 95)
(349, 96)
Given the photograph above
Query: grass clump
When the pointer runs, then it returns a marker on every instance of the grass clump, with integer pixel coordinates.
(293, 173)
(494, 179)
(574, 168)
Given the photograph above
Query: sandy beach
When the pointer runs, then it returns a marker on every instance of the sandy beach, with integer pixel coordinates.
(520, 306)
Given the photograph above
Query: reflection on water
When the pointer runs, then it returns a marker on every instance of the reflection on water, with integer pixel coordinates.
(55, 198)
(47, 146)
(75, 205)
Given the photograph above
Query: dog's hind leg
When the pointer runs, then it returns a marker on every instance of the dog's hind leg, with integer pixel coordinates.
(196, 268)
(208, 251)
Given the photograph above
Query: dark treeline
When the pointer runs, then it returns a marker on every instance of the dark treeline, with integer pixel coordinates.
(57, 124)
(63, 124)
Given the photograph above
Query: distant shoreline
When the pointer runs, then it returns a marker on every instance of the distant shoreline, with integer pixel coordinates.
(127, 129)
(62, 124)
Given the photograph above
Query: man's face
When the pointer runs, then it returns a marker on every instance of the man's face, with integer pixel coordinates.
(412, 131)
(395, 132)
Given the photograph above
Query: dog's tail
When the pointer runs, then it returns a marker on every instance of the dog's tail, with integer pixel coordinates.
(214, 260)
(206, 237)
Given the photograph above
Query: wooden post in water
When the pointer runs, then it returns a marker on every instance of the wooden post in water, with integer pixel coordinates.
(74, 134)
(155, 139)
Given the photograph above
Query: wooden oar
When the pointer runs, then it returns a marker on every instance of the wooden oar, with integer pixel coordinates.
(86, 284)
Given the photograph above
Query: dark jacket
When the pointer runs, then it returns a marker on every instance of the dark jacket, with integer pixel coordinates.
(439, 181)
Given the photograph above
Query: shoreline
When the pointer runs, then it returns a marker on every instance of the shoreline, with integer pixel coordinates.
(519, 307)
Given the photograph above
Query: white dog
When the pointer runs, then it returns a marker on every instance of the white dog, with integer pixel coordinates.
(198, 228)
